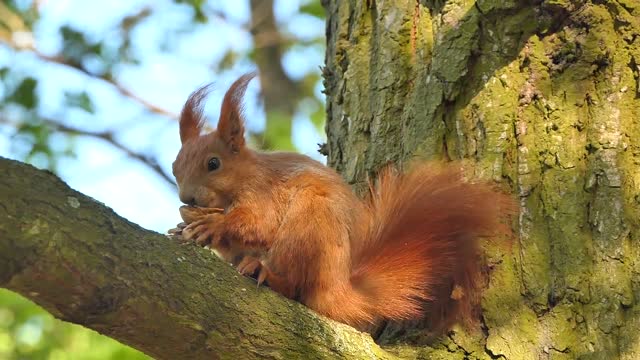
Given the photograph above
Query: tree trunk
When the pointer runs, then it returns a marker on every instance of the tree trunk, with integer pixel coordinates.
(544, 98)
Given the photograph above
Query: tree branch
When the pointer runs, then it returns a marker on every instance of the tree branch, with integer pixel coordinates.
(118, 87)
(85, 264)
(108, 136)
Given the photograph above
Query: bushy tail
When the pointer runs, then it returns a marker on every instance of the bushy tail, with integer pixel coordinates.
(423, 244)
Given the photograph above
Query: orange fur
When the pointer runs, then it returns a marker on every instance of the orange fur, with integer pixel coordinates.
(299, 225)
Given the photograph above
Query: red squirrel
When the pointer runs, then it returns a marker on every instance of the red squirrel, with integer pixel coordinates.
(411, 245)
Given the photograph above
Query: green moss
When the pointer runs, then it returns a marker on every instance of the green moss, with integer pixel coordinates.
(517, 337)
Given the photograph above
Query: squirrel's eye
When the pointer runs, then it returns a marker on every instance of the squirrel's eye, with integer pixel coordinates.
(213, 164)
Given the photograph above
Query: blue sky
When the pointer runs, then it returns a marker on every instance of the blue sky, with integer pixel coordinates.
(164, 79)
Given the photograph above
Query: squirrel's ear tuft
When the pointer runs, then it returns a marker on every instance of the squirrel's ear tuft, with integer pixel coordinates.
(192, 117)
(231, 123)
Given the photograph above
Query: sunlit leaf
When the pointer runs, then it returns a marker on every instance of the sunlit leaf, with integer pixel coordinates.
(277, 134)
(25, 9)
(230, 58)
(313, 8)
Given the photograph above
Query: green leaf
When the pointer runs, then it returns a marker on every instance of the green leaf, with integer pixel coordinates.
(70, 35)
(76, 46)
(80, 100)
(25, 94)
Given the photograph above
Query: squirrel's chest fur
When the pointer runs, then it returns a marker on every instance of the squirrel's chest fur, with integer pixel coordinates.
(316, 216)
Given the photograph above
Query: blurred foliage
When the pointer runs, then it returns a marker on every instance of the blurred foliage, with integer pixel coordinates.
(313, 8)
(198, 12)
(101, 56)
(42, 122)
(29, 332)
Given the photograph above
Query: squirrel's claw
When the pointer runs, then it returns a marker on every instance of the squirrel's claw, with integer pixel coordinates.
(248, 265)
(262, 276)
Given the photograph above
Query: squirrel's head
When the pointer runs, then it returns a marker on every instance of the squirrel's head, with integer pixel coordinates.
(211, 168)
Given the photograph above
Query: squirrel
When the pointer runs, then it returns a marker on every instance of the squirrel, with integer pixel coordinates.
(407, 251)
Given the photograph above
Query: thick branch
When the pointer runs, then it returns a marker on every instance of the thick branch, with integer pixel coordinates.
(85, 264)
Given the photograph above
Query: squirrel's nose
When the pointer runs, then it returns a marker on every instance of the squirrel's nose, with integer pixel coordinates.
(187, 199)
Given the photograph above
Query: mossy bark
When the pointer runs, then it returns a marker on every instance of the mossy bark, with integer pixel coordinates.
(85, 264)
(544, 97)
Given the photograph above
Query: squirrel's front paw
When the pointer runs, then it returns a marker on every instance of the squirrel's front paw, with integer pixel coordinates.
(205, 231)
(176, 233)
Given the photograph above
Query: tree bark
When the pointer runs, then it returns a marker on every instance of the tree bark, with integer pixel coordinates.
(544, 97)
(85, 264)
